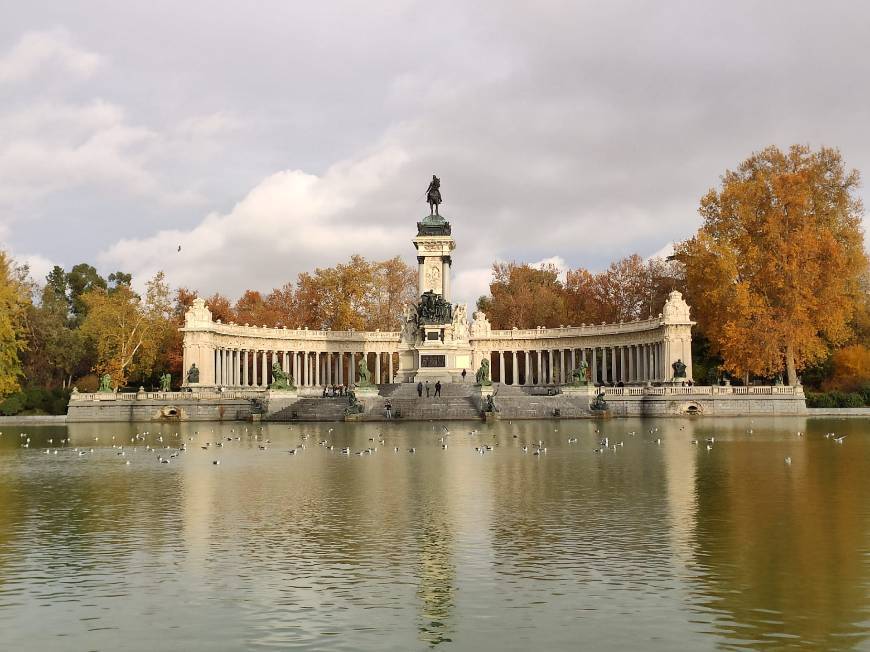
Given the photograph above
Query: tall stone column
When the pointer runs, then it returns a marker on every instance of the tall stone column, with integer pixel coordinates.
(631, 378)
(264, 367)
(527, 362)
(573, 359)
(614, 372)
(594, 365)
(390, 367)
(445, 277)
(378, 368)
(421, 274)
(539, 377)
(501, 377)
(604, 376)
(562, 366)
(316, 368)
(341, 368)
(351, 372)
(515, 369)
(646, 368)
(622, 375)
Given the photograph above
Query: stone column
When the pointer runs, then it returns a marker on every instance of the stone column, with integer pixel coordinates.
(341, 368)
(421, 277)
(614, 372)
(562, 366)
(445, 277)
(351, 370)
(538, 376)
(378, 368)
(501, 377)
(245, 368)
(390, 367)
(646, 362)
(515, 371)
(573, 360)
(264, 366)
(594, 365)
(622, 375)
(317, 361)
(630, 363)
(604, 376)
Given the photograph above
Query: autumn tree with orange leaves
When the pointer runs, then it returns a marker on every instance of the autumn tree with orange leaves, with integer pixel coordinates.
(774, 272)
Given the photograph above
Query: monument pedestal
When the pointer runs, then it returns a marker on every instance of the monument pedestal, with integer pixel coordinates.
(365, 391)
(276, 400)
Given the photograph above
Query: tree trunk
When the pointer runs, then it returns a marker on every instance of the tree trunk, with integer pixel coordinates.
(791, 372)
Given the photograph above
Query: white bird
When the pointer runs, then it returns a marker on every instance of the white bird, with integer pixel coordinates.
(788, 460)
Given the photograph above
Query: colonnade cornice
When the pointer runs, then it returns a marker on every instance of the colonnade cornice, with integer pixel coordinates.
(294, 335)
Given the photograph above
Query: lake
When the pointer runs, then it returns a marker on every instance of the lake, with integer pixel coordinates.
(656, 544)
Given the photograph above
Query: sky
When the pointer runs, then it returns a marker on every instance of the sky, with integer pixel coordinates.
(275, 137)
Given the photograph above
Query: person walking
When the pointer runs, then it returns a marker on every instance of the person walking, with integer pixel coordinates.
(420, 389)
(427, 389)
(463, 375)
(438, 388)
(388, 409)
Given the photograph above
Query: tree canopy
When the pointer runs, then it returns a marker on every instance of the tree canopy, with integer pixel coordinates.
(774, 273)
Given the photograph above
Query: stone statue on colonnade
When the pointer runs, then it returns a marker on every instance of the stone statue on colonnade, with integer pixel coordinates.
(105, 384)
(165, 382)
(580, 374)
(365, 376)
(281, 380)
(482, 377)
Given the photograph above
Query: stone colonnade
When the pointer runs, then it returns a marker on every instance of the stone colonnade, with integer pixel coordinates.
(235, 367)
(629, 364)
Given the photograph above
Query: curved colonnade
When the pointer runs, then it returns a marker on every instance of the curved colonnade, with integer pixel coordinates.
(637, 352)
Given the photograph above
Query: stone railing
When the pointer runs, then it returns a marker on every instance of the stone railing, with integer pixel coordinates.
(703, 390)
(299, 334)
(586, 330)
(195, 395)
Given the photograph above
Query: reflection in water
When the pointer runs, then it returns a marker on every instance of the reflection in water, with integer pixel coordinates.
(782, 550)
(646, 546)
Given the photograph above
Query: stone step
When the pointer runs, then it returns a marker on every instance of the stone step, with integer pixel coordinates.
(409, 390)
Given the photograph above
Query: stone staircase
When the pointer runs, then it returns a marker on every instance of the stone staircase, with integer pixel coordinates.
(518, 402)
(455, 402)
(313, 409)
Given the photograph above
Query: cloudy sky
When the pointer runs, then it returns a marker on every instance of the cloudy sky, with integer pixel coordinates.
(269, 138)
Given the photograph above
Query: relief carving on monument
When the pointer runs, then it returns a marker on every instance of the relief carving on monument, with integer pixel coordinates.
(480, 325)
(460, 322)
(433, 278)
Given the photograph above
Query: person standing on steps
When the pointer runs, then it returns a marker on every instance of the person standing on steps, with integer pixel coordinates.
(427, 389)
(420, 389)
(438, 388)
(463, 375)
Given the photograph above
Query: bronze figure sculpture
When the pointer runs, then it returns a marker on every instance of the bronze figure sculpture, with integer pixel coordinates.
(433, 195)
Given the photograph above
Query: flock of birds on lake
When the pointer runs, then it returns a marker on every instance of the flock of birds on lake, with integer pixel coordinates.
(172, 447)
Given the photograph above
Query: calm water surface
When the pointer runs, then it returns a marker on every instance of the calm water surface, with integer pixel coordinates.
(652, 546)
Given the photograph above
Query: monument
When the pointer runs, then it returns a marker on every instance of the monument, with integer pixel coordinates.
(435, 344)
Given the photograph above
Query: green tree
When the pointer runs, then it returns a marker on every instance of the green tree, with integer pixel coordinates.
(14, 300)
(81, 279)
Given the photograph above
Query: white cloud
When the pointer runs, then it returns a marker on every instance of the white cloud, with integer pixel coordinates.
(46, 49)
(290, 222)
